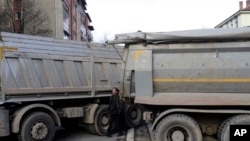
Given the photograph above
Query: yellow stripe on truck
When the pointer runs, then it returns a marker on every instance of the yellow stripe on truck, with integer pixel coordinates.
(137, 54)
(3, 48)
(203, 80)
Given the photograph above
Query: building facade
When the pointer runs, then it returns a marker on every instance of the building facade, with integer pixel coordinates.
(68, 19)
(17, 8)
(239, 19)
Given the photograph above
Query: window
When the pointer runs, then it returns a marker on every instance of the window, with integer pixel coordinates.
(236, 22)
(18, 16)
(66, 35)
(66, 18)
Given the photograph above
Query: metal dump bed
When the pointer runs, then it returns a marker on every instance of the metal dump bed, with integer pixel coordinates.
(38, 68)
(200, 35)
(195, 67)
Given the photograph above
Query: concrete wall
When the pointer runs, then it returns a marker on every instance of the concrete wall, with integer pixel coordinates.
(244, 19)
(54, 10)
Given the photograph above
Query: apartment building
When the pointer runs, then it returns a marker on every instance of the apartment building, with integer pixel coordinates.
(241, 18)
(67, 19)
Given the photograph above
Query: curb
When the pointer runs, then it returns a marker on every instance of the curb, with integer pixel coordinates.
(130, 135)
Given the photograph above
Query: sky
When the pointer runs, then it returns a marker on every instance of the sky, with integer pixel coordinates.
(110, 17)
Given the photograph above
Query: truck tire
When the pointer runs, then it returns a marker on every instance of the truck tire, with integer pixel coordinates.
(133, 115)
(178, 127)
(37, 126)
(90, 128)
(101, 120)
(224, 129)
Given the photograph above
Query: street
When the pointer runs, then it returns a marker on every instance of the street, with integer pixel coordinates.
(79, 134)
(75, 135)
(139, 134)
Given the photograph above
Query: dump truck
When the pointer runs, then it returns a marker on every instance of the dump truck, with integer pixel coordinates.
(192, 84)
(48, 82)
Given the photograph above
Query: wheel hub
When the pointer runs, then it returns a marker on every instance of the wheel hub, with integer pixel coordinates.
(178, 136)
(105, 120)
(39, 131)
(133, 114)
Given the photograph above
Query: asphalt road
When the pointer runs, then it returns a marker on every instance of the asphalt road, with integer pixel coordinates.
(79, 134)
(75, 135)
(82, 135)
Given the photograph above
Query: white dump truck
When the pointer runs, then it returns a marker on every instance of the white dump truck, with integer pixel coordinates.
(49, 82)
(192, 84)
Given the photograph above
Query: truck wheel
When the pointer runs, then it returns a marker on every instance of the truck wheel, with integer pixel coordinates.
(178, 127)
(37, 126)
(224, 132)
(101, 120)
(133, 115)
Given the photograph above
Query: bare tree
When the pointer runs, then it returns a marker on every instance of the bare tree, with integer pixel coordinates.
(6, 16)
(104, 37)
(33, 20)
